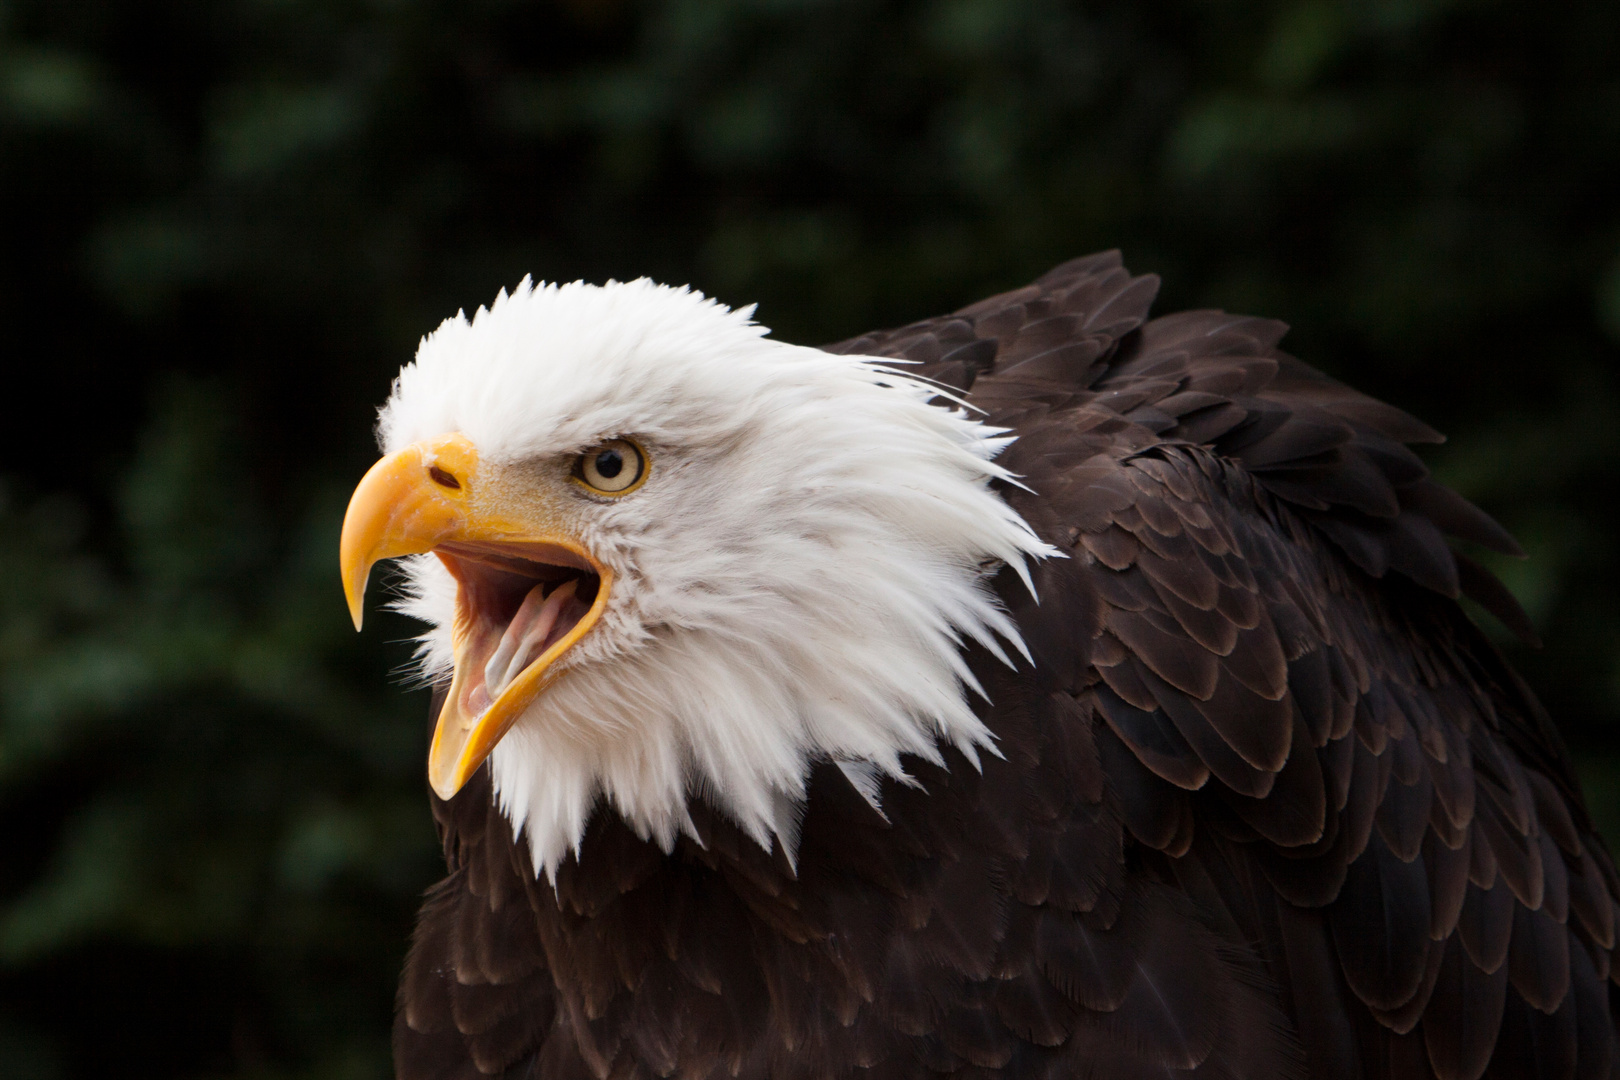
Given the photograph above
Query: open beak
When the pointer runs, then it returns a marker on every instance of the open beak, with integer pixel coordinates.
(526, 590)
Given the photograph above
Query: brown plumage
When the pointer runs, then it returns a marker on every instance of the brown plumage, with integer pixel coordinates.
(1270, 805)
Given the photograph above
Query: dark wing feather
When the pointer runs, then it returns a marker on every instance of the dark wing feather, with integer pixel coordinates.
(1313, 471)
(1267, 805)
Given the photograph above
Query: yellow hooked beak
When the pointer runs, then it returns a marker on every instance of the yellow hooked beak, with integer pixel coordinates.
(526, 589)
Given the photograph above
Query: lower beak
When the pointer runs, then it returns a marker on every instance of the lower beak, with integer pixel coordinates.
(527, 592)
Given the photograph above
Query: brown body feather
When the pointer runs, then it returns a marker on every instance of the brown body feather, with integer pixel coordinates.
(1270, 805)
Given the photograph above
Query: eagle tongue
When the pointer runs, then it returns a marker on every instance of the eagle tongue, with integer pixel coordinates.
(525, 636)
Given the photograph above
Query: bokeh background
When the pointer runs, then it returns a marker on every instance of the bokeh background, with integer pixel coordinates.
(224, 225)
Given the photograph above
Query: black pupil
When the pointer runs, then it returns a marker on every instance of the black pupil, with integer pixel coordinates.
(609, 463)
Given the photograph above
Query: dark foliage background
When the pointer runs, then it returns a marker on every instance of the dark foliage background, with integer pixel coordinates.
(225, 225)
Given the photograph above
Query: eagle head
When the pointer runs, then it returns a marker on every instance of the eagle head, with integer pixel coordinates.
(662, 557)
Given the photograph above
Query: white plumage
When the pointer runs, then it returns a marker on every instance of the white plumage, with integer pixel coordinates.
(792, 581)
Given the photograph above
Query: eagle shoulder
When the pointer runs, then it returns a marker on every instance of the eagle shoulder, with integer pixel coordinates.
(1258, 619)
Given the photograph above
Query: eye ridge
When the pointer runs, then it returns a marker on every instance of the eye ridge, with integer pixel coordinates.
(615, 467)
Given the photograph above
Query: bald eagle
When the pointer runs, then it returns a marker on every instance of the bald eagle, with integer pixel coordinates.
(1041, 690)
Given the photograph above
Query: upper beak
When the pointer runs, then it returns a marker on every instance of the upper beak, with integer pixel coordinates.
(430, 496)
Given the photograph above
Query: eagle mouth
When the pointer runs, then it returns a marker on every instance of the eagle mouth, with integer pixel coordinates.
(527, 590)
(517, 607)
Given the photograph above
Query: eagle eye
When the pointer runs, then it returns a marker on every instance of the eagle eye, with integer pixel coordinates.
(616, 467)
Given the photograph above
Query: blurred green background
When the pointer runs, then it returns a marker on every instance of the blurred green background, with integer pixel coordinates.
(226, 224)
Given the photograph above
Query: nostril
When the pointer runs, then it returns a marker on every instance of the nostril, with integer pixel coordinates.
(443, 478)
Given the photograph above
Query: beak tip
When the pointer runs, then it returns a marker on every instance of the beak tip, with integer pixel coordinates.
(443, 788)
(357, 609)
(446, 777)
(354, 592)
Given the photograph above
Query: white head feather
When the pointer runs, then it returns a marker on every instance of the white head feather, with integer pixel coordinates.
(792, 583)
